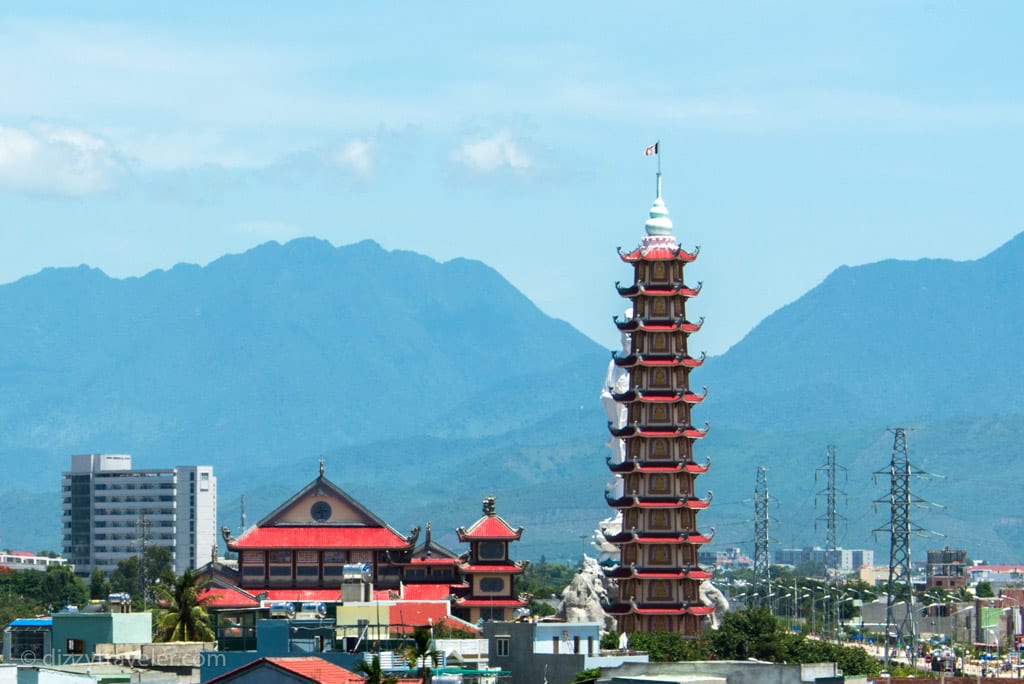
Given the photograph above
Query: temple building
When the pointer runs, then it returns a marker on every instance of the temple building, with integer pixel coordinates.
(324, 546)
(489, 571)
(649, 402)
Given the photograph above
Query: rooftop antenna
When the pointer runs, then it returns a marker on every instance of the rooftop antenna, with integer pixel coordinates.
(243, 515)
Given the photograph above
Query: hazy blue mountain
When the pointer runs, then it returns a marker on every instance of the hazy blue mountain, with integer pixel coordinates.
(426, 386)
(931, 345)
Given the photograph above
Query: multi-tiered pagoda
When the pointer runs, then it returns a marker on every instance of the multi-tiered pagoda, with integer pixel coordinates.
(653, 436)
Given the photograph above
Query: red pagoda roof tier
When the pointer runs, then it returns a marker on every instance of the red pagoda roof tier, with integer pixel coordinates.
(659, 254)
(632, 500)
(657, 324)
(684, 537)
(659, 396)
(633, 572)
(650, 360)
(485, 603)
(637, 430)
(489, 527)
(692, 608)
(502, 569)
(657, 290)
(642, 466)
(317, 537)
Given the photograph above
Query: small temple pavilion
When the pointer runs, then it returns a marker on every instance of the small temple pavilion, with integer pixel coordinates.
(324, 546)
(654, 490)
(488, 569)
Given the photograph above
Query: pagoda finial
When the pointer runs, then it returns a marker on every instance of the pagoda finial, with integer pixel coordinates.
(489, 506)
(321, 467)
(659, 223)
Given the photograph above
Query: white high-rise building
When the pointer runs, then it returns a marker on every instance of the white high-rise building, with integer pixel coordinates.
(111, 512)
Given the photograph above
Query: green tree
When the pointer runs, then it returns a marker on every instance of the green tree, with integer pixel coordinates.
(753, 633)
(422, 651)
(60, 587)
(587, 676)
(372, 671)
(99, 587)
(670, 647)
(984, 590)
(182, 615)
(157, 569)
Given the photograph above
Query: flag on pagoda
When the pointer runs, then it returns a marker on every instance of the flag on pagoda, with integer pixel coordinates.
(651, 150)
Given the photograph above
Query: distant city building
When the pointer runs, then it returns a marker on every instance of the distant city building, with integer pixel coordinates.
(947, 569)
(731, 557)
(998, 576)
(111, 512)
(24, 560)
(849, 560)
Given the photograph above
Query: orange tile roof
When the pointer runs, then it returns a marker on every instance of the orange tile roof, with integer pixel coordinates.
(311, 669)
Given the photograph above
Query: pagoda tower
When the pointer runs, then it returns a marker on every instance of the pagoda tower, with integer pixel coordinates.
(489, 569)
(649, 402)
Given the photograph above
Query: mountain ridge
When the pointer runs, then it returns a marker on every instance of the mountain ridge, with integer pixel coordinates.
(442, 381)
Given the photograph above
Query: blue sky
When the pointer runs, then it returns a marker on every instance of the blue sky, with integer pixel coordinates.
(796, 137)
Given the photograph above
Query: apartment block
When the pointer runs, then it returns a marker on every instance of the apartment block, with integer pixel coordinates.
(111, 512)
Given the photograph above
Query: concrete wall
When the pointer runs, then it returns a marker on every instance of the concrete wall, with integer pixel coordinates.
(734, 672)
(100, 628)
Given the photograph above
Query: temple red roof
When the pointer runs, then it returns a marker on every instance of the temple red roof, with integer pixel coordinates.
(313, 537)
(489, 527)
(659, 254)
(302, 594)
(227, 597)
(405, 615)
(426, 592)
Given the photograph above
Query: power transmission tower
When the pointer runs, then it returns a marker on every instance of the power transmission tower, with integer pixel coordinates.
(762, 589)
(831, 517)
(900, 626)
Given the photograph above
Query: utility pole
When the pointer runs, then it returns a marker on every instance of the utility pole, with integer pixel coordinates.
(830, 517)
(762, 565)
(901, 628)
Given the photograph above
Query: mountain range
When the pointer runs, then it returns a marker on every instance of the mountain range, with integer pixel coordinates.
(427, 386)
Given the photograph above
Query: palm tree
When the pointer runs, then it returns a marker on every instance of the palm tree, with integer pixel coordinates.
(183, 616)
(372, 671)
(422, 651)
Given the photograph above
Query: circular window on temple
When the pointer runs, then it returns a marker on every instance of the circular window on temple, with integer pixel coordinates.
(321, 511)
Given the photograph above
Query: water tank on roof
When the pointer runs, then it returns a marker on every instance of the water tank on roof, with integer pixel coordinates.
(356, 572)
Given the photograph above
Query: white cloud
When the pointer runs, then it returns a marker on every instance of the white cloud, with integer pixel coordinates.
(356, 156)
(56, 159)
(491, 154)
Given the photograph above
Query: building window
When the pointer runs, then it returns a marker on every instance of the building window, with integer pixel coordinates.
(75, 647)
(492, 585)
(501, 646)
(490, 550)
